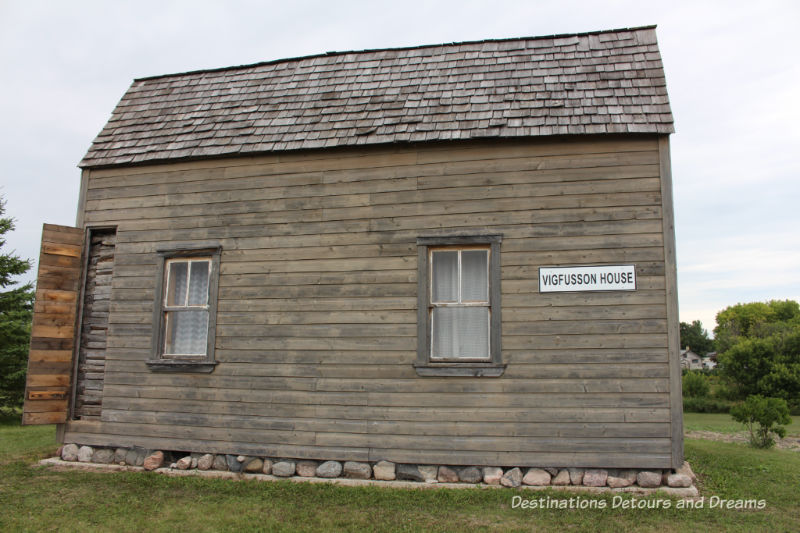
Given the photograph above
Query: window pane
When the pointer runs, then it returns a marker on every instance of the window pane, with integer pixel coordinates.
(460, 332)
(474, 276)
(186, 332)
(198, 283)
(445, 277)
(176, 291)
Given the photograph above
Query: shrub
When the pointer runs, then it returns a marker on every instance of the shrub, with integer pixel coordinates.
(768, 366)
(695, 385)
(770, 414)
(705, 405)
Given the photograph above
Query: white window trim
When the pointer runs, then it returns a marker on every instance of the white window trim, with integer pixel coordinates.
(167, 309)
(459, 303)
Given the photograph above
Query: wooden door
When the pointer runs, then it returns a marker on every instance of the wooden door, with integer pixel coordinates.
(50, 360)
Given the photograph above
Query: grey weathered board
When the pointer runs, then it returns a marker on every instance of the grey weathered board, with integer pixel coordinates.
(93, 326)
(316, 322)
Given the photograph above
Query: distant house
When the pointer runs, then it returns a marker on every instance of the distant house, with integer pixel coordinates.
(710, 361)
(458, 254)
(691, 360)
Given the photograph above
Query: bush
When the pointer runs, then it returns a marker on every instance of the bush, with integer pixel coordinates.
(695, 385)
(723, 391)
(771, 415)
(705, 405)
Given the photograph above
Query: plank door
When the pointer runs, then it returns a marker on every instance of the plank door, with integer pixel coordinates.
(50, 362)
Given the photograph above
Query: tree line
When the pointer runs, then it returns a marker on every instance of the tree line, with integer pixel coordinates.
(758, 348)
(16, 313)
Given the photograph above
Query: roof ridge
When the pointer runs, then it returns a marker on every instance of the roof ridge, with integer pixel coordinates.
(391, 49)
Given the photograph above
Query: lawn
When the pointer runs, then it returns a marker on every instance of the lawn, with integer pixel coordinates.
(723, 423)
(34, 498)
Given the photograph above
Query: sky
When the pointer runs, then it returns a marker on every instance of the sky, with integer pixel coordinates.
(732, 75)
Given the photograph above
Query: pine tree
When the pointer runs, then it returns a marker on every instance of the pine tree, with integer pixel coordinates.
(16, 312)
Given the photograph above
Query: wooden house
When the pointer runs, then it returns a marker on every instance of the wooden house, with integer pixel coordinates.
(690, 360)
(459, 254)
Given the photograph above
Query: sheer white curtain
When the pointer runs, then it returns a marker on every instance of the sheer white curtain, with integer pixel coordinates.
(186, 318)
(459, 331)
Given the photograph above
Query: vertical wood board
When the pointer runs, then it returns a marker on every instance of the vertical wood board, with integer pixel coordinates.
(53, 331)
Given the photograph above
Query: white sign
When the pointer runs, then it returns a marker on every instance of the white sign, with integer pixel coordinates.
(587, 278)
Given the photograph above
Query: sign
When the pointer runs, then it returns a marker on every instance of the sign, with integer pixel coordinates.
(587, 278)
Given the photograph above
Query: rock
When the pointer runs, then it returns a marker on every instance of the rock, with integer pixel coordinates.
(205, 462)
(131, 456)
(679, 480)
(617, 482)
(329, 469)
(552, 471)
(284, 468)
(576, 475)
(194, 462)
(512, 478)
(595, 478)
(355, 470)
(447, 475)
(173, 466)
(492, 475)
(85, 454)
(562, 478)
(306, 468)
(470, 474)
(233, 463)
(184, 463)
(383, 470)
(254, 465)
(153, 461)
(267, 468)
(141, 455)
(220, 463)
(135, 456)
(429, 472)
(241, 458)
(648, 479)
(69, 452)
(408, 472)
(621, 478)
(686, 470)
(120, 454)
(536, 477)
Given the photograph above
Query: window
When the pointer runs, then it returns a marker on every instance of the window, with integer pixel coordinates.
(185, 311)
(459, 306)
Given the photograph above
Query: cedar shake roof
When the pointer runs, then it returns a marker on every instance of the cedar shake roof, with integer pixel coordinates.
(589, 83)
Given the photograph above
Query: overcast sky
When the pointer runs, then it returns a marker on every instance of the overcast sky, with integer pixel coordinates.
(732, 74)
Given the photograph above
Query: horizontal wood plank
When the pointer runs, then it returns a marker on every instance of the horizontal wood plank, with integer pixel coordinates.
(316, 318)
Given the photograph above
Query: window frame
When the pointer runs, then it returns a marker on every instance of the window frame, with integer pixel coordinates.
(160, 361)
(426, 365)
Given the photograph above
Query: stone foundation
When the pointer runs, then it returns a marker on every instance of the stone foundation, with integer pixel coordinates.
(383, 470)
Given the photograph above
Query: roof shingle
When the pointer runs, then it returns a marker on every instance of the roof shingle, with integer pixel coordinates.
(601, 82)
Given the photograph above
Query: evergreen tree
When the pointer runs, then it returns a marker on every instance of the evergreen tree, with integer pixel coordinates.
(16, 312)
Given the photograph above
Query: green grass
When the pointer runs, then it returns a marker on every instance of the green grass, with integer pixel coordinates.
(18, 442)
(723, 423)
(34, 498)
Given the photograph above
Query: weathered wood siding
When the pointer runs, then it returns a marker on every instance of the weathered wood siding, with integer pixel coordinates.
(316, 322)
(47, 386)
(94, 325)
